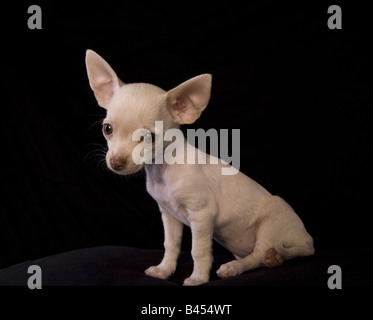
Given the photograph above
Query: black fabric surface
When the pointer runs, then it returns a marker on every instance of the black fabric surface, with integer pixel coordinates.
(123, 266)
(300, 93)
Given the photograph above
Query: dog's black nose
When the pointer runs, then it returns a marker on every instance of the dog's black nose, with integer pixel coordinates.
(117, 163)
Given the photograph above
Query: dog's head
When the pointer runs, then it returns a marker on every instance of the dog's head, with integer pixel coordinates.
(136, 107)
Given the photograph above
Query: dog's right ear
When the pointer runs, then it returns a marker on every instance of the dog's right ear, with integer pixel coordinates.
(102, 78)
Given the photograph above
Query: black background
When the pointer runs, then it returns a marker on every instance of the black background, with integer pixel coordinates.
(299, 92)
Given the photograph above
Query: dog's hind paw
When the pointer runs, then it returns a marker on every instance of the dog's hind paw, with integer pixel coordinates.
(230, 269)
(272, 258)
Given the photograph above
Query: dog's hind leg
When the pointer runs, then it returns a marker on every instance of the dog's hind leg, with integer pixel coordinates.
(273, 245)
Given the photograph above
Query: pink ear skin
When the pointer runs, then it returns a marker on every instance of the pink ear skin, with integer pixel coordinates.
(186, 102)
(102, 78)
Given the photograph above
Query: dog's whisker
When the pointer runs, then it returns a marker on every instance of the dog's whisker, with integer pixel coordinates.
(96, 123)
(97, 156)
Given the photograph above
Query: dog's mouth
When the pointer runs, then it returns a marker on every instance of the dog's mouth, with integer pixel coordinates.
(127, 171)
(122, 165)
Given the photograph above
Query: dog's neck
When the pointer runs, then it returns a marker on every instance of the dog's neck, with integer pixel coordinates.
(155, 171)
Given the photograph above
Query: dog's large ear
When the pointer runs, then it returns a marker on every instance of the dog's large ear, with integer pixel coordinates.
(102, 78)
(186, 102)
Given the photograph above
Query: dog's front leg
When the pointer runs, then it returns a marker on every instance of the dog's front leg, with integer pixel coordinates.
(173, 231)
(202, 234)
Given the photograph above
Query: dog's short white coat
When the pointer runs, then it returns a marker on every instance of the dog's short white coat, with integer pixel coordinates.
(233, 209)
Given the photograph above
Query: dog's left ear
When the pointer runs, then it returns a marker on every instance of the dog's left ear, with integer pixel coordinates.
(186, 102)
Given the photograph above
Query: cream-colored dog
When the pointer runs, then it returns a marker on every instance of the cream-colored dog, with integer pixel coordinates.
(257, 227)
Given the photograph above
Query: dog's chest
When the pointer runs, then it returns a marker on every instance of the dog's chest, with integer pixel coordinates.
(164, 194)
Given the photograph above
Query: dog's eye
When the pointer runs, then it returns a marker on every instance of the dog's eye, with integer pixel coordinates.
(107, 129)
(149, 137)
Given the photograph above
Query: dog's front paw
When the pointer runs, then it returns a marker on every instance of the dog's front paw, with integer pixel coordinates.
(194, 281)
(229, 269)
(159, 272)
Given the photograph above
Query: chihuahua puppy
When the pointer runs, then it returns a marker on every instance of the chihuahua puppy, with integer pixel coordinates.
(258, 228)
